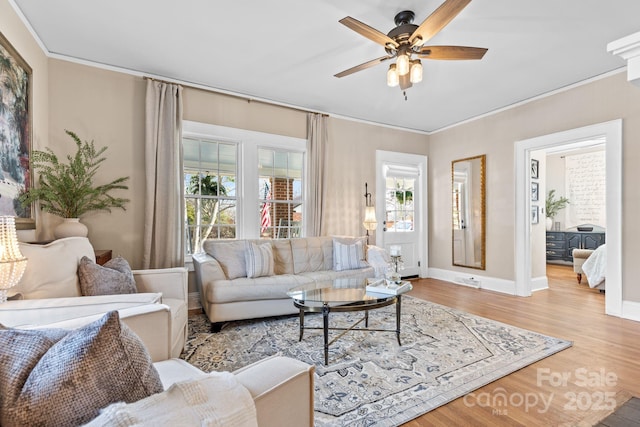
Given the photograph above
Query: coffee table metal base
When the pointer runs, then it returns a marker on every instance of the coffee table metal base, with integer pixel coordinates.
(325, 309)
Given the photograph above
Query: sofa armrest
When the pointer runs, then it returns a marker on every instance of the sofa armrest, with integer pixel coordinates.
(279, 382)
(171, 282)
(207, 269)
(151, 322)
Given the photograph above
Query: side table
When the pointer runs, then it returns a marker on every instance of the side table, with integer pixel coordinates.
(102, 255)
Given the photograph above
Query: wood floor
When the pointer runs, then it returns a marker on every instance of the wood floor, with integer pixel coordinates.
(575, 387)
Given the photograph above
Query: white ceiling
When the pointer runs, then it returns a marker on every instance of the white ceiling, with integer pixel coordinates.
(287, 51)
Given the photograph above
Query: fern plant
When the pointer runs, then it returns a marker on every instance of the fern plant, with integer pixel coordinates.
(67, 189)
(553, 205)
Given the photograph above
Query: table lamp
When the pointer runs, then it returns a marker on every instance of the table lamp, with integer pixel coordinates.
(12, 263)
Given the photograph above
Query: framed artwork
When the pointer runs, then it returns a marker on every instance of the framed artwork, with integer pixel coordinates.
(534, 215)
(15, 134)
(534, 191)
(534, 168)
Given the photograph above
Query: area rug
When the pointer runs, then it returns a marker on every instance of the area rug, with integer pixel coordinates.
(370, 379)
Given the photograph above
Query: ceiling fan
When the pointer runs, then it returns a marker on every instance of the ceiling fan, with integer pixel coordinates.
(407, 40)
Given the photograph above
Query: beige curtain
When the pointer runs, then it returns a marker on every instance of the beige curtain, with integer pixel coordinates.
(164, 210)
(316, 150)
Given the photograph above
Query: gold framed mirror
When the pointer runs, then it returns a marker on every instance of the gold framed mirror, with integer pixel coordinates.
(468, 212)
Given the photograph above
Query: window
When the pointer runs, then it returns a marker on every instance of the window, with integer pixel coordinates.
(399, 204)
(280, 193)
(210, 171)
(241, 184)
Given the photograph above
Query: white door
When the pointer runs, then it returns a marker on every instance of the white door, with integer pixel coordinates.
(401, 207)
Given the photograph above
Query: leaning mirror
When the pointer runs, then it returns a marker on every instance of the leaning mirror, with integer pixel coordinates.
(468, 211)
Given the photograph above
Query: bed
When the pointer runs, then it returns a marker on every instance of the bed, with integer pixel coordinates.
(595, 268)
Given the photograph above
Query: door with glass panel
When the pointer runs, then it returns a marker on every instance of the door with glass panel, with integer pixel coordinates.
(401, 221)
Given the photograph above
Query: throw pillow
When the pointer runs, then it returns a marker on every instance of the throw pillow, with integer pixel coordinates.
(259, 258)
(54, 377)
(348, 256)
(114, 277)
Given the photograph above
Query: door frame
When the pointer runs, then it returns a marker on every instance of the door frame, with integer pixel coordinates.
(612, 130)
(418, 162)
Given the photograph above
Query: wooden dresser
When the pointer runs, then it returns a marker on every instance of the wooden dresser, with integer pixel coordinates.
(560, 244)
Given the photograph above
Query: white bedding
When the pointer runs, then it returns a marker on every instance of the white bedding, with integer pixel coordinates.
(595, 267)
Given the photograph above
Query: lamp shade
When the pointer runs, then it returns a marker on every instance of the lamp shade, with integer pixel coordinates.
(392, 76)
(370, 222)
(416, 71)
(12, 262)
(403, 64)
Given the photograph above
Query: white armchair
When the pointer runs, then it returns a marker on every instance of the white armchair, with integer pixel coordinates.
(48, 295)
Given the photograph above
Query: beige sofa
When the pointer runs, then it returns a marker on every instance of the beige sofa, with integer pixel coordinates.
(226, 293)
(48, 295)
(281, 387)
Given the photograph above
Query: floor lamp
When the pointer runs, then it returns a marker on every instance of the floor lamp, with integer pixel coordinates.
(369, 223)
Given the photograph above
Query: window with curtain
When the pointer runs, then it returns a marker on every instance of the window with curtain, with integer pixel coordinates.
(210, 178)
(280, 183)
(241, 184)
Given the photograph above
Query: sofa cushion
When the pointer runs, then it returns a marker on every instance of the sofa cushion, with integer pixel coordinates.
(312, 254)
(230, 254)
(112, 278)
(259, 258)
(282, 256)
(259, 288)
(52, 269)
(53, 377)
(348, 256)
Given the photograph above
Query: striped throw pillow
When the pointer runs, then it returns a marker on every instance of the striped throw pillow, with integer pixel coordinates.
(348, 256)
(259, 259)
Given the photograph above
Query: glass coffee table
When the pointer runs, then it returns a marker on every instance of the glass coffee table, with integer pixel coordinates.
(342, 295)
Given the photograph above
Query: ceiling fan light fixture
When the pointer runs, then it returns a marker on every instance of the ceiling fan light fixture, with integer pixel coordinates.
(403, 64)
(416, 71)
(392, 76)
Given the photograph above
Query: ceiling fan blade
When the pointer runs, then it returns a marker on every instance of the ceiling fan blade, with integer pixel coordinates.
(368, 32)
(451, 52)
(437, 21)
(363, 66)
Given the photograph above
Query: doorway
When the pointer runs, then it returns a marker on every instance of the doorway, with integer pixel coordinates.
(612, 134)
(401, 206)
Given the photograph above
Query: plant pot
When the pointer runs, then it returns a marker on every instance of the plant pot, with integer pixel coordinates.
(70, 227)
(549, 223)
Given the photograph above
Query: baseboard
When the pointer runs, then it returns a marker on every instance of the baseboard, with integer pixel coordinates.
(539, 283)
(631, 310)
(474, 280)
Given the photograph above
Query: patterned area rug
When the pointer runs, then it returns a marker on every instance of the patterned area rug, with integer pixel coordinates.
(370, 380)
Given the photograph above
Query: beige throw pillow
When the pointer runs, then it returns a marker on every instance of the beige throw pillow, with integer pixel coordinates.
(259, 259)
(348, 256)
(54, 377)
(112, 278)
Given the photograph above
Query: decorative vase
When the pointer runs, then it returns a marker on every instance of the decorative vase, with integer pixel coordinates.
(70, 227)
(549, 223)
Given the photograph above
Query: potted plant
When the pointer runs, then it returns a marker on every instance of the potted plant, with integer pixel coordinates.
(67, 189)
(553, 206)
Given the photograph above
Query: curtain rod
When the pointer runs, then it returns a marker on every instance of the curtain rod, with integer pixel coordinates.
(233, 94)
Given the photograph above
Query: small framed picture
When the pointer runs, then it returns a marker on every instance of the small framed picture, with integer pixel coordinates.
(534, 191)
(534, 168)
(534, 214)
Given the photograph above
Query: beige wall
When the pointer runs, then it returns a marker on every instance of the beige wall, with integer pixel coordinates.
(599, 101)
(351, 159)
(109, 107)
